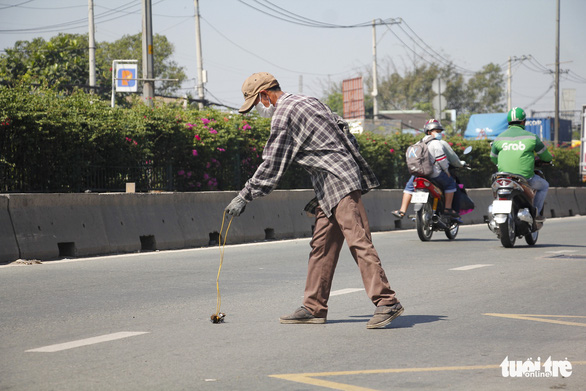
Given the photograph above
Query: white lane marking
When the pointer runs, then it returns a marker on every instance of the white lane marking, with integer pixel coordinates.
(87, 341)
(345, 291)
(469, 267)
(562, 251)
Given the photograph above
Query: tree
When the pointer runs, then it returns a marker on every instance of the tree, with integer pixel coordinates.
(64, 61)
(486, 91)
(60, 61)
(130, 47)
(483, 92)
(334, 99)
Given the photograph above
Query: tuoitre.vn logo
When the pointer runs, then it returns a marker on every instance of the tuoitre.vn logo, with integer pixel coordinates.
(529, 368)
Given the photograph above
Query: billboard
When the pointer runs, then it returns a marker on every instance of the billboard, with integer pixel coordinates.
(353, 93)
(126, 77)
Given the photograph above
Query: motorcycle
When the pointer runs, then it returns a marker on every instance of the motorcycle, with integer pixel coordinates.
(512, 214)
(429, 201)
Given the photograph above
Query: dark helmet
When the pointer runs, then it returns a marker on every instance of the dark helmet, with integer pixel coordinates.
(516, 115)
(432, 124)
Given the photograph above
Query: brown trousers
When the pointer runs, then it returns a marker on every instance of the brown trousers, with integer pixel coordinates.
(348, 221)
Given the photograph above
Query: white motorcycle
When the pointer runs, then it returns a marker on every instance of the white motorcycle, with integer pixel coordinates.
(512, 214)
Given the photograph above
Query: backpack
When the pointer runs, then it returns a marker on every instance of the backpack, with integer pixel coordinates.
(419, 159)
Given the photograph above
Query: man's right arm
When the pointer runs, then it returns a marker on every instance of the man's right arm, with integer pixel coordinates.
(277, 156)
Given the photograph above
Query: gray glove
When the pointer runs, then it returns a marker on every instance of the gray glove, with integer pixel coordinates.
(236, 206)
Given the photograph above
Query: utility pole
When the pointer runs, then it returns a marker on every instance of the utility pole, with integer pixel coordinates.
(557, 75)
(92, 45)
(200, 71)
(374, 71)
(148, 91)
(510, 80)
(374, 74)
(509, 87)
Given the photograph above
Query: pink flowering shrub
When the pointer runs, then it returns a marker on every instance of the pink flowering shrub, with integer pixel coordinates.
(167, 147)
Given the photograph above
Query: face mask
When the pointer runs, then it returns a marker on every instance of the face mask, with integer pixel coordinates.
(438, 136)
(263, 111)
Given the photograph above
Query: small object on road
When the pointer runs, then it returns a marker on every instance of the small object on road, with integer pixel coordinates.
(218, 318)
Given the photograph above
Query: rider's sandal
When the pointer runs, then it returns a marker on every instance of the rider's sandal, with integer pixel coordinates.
(398, 214)
(451, 212)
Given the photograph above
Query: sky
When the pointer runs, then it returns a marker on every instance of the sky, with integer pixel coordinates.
(309, 44)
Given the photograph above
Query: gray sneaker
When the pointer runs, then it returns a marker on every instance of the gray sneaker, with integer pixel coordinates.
(301, 316)
(383, 315)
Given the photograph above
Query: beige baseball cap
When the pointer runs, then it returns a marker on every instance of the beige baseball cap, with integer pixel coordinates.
(253, 85)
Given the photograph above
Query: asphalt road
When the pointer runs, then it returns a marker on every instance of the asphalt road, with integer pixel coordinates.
(142, 321)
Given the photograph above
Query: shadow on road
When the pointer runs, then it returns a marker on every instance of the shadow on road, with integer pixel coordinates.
(402, 321)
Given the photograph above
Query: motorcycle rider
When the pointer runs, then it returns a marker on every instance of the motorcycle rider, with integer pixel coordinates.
(433, 130)
(453, 160)
(514, 151)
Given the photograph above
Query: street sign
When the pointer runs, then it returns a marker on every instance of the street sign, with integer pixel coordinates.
(438, 86)
(126, 75)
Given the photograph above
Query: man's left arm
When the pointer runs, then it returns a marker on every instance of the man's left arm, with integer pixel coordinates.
(494, 153)
(452, 156)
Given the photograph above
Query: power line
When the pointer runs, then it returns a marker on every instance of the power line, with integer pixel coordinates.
(280, 13)
(16, 5)
(107, 16)
(260, 57)
(539, 98)
(290, 17)
(303, 21)
(429, 48)
(410, 49)
(74, 24)
(572, 76)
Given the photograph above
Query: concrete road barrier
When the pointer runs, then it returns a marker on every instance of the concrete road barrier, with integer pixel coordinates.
(139, 221)
(580, 196)
(47, 226)
(51, 226)
(8, 245)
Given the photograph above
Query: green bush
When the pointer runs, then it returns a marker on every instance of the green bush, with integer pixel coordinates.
(69, 143)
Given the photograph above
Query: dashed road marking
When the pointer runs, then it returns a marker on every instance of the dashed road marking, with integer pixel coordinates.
(543, 318)
(86, 342)
(469, 267)
(345, 291)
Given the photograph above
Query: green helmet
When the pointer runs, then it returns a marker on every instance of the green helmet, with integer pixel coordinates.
(516, 114)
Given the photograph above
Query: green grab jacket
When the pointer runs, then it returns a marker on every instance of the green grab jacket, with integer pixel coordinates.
(513, 151)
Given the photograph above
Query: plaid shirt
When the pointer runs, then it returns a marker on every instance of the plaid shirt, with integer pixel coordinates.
(305, 131)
